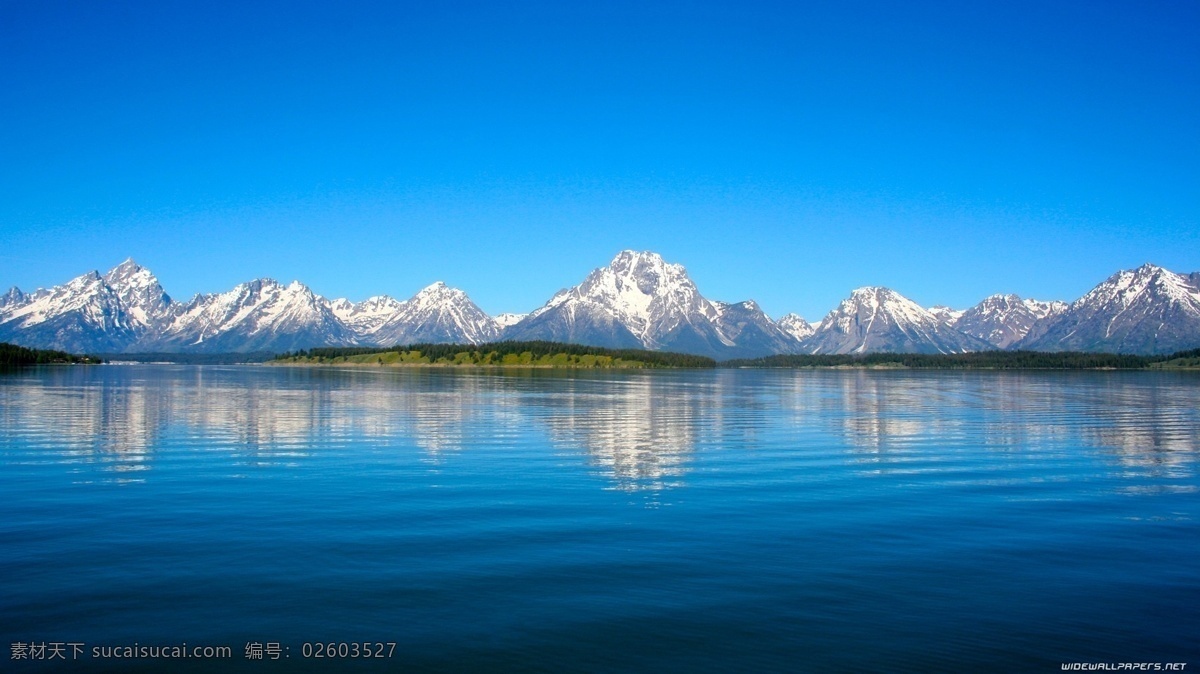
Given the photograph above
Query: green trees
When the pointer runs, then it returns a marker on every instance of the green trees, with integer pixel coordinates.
(11, 355)
(538, 353)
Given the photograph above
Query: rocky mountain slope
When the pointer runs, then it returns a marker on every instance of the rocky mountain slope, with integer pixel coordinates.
(89, 313)
(638, 301)
(438, 313)
(880, 319)
(1147, 310)
(1004, 320)
(126, 310)
(641, 301)
(796, 326)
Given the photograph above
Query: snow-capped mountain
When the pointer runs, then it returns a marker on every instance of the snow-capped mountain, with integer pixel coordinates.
(880, 319)
(89, 313)
(367, 317)
(12, 299)
(946, 314)
(1003, 320)
(637, 301)
(437, 314)
(260, 315)
(1146, 310)
(127, 310)
(752, 331)
(140, 294)
(641, 301)
(796, 326)
(508, 319)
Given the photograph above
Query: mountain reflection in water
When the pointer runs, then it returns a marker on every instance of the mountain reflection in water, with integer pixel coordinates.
(640, 430)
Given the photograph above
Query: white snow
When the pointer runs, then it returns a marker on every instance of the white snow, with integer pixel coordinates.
(507, 319)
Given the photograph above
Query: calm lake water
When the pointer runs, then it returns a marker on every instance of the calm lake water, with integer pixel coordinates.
(729, 520)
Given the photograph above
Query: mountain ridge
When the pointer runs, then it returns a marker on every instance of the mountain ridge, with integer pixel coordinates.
(638, 300)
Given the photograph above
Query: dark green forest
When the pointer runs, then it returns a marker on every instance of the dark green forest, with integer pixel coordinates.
(501, 353)
(557, 354)
(11, 355)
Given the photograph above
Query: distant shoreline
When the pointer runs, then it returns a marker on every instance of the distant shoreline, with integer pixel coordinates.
(556, 355)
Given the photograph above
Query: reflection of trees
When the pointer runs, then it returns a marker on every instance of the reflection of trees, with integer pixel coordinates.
(112, 426)
(1147, 421)
(1152, 425)
(640, 430)
(877, 413)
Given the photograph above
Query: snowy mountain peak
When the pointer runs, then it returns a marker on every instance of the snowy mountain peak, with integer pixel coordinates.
(642, 291)
(627, 261)
(438, 289)
(640, 300)
(366, 317)
(1145, 310)
(749, 304)
(126, 268)
(945, 314)
(141, 295)
(84, 314)
(508, 319)
(875, 318)
(1146, 283)
(796, 326)
(637, 300)
(15, 297)
(1003, 320)
(888, 301)
(437, 313)
(1042, 309)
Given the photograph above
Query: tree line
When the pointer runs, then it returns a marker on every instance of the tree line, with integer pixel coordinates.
(448, 353)
(12, 355)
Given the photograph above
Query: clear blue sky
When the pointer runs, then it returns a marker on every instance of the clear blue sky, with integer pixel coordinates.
(785, 152)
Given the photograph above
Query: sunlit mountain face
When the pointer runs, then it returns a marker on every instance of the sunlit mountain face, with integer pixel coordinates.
(639, 300)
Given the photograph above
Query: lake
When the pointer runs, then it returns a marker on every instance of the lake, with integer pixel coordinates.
(717, 520)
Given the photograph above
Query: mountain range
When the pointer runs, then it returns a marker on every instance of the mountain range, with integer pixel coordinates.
(637, 301)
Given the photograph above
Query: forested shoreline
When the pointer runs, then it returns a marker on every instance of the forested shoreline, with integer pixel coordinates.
(496, 354)
(562, 355)
(12, 355)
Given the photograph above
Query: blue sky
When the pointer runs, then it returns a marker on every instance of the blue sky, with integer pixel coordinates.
(785, 152)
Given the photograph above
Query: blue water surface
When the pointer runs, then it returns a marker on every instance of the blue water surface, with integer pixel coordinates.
(728, 520)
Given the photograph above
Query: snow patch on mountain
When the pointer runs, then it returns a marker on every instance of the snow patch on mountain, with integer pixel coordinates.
(638, 300)
(437, 314)
(11, 300)
(261, 315)
(641, 301)
(946, 314)
(796, 326)
(876, 319)
(367, 317)
(508, 319)
(1146, 310)
(1004, 320)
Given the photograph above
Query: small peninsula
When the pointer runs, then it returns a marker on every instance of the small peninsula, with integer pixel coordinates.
(534, 354)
